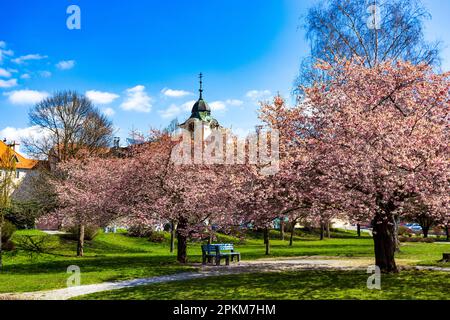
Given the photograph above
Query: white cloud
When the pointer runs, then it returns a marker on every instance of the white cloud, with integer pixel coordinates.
(8, 83)
(29, 57)
(26, 97)
(243, 133)
(4, 52)
(25, 76)
(187, 106)
(5, 73)
(19, 134)
(100, 97)
(223, 105)
(175, 93)
(175, 110)
(45, 74)
(109, 112)
(258, 94)
(65, 65)
(137, 100)
(171, 112)
(7, 52)
(234, 102)
(217, 106)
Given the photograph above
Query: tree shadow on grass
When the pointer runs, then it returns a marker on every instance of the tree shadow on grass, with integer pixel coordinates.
(298, 285)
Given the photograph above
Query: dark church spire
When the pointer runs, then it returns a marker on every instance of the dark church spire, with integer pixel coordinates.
(201, 85)
(200, 105)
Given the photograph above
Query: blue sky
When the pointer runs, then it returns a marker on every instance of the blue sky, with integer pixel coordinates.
(139, 60)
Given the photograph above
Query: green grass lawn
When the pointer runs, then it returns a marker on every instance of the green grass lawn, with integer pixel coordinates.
(298, 285)
(113, 257)
(109, 257)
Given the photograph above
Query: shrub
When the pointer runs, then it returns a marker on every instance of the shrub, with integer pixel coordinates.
(140, 231)
(7, 231)
(234, 239)
(439, 231)
(90, 232)
(8, 246)
(404, 231)
(157, 236)
(35, 245)
(416, 239)
(23, 215)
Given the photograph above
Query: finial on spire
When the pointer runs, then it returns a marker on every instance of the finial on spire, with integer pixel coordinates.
(201, 85)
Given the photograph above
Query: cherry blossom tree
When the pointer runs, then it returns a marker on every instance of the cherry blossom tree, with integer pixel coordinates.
(257, 200)
(261, 198)
(191, 196)
(89, 192)
(417, 211)
(308, 195)
(376, 137)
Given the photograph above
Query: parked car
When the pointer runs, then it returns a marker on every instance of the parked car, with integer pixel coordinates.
(413, 226)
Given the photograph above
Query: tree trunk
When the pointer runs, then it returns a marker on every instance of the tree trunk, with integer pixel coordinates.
(282, 228)
(172, 237)
(396, 239)
(358, 229)
(291, 239)
(385, 244)
(328, 230)
(322, 230)
(267, 240)
(80, 245)
(182, 248)
(182, 241)
(425, 231)
(447, 232)
(1, 244)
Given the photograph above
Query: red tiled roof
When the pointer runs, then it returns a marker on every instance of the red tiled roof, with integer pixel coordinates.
(22, 162)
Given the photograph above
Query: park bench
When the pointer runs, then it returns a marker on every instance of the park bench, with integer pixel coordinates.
(219, 251)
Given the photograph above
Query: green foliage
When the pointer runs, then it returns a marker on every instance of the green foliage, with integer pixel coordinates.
(23, 214)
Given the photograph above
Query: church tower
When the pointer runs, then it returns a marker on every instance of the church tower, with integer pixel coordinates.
(200, 115)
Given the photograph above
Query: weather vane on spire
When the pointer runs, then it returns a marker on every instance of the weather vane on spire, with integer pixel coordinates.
(201, 85)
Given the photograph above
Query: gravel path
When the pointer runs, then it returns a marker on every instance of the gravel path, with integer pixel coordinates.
(264, 265)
